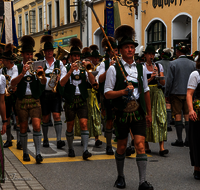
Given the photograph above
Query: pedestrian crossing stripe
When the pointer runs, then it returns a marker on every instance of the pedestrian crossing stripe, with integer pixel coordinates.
(19, 154)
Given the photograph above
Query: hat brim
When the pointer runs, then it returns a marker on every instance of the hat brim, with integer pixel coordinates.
(149, 52)
(48, 49)
(128, 42)
(8, 58)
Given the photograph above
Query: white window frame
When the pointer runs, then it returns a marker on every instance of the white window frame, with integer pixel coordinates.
(55, 9)
(40, 7)
(18, 26)
(49, 3)
(65, 12)
(26, 13)
(34, 9)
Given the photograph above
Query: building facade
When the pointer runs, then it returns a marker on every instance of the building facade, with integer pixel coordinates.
(159, 23)
(62, 17)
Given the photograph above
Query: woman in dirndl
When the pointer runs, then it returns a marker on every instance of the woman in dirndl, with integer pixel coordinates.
(193, 101)
(4, 121)
(157, 133)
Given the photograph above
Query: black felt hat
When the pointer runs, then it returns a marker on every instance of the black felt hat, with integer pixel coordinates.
(104, 43)
(150, 49)
(125, 34)
(8, 52)
(76, 46)
(94, 51)
(48, 42)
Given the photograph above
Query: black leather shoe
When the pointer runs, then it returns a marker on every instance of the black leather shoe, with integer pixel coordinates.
(178, 143)
(60, 144)
(162, 153)
(109, 150)
(71, 153)
(45, 143)
(7, 144)
(98, 143)
(145, 186)
(39, 159)
(169, 128)
(186, 143)
(19, 146)
(128, 151)
(26, 157)
(196, 175)
(86, 155)
(120, 182)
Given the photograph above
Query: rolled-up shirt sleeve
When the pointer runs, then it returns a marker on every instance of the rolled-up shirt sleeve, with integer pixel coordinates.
(2, 84)
(110, 79)
(145, 81)
(63, 70)
(193, 80)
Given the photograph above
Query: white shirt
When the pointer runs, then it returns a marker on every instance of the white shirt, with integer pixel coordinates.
(10, 72)
(194, 80)
(102, 69)
(150, 72)
(2, 84)
(132, 76)
(76, 82)
(50, 70)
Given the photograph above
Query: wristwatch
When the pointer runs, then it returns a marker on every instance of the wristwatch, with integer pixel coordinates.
(4, 121)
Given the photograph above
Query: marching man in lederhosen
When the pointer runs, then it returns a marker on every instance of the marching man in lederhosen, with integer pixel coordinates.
(75, 94)
(29, 90)
(131, 102)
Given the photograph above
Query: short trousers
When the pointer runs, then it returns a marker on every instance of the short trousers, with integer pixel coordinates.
(25, 112)
(122, 129)
(108, 108)
(50, 102)
(8, 102)
(80, 109)
(178, 104)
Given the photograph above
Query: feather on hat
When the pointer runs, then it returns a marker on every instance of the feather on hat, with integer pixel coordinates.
(46, 38)
(75, 42)
(27, 40)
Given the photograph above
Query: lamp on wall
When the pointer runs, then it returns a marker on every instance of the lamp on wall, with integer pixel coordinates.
(130, 4)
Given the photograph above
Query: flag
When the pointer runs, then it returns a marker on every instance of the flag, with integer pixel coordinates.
(9, 29)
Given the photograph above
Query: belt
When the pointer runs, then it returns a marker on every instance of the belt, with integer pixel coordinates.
(28, 96)
(153, 85)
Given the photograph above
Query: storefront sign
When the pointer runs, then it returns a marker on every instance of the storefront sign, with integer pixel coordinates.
(63, 42)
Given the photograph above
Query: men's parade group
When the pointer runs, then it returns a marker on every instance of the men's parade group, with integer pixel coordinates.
(134, 96)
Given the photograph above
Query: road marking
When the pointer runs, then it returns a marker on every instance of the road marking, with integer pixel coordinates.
(58, 152)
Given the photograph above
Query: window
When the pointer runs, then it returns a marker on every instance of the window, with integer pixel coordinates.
(57, 13)
(68, 11)
(40, 19)
(19, 26)
(32, 21)
(26, 24)
(49, 16)
(157, 35)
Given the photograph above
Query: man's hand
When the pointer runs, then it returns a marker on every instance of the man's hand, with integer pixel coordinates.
(112, 62)
(130, 87)
(148, 120)
(3, 128)
(95, 85)
(74, 66)
(26, 67)
(193, 115)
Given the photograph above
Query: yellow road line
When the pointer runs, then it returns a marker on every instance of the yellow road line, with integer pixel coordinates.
(19, 154)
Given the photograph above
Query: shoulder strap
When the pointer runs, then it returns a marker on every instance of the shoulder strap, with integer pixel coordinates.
(19, 67)
(158, 68)
(4, 71)
(57, 64)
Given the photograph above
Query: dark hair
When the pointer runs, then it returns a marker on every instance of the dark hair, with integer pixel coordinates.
(198, 61)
